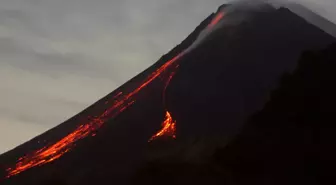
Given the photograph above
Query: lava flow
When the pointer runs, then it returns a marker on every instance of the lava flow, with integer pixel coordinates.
(169, 128)
(121, 102)
(55, 151)
(215, 21)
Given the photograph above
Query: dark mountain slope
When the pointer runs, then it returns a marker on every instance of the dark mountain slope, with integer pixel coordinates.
(229, 76)
(314, 18)
(217, 86)
(290, 141)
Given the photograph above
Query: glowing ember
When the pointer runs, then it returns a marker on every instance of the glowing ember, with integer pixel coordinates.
(120, 103)
(168, 128)
(215, 20)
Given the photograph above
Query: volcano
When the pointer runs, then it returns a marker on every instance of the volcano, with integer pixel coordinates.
(196, 98)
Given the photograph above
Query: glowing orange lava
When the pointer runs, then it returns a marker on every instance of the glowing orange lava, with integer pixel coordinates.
(168, 128)
(215, 20)
(120, 102)
(55, 151)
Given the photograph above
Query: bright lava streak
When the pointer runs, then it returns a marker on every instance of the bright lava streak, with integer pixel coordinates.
(215, 20)
(121, 102)
(168, 128)
(55, 151)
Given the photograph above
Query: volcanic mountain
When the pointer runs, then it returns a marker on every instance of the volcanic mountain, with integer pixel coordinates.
(194, 99)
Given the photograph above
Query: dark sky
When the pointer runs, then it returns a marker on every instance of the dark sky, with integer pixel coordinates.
(59, 56)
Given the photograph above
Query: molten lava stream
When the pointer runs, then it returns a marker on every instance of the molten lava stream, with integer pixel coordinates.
(168, 125)
(55, 151)
(215, 20)
(50, 153)
(168, 128)
(121, 101)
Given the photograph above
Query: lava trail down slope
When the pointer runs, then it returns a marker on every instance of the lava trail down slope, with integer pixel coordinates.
(122, 102)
